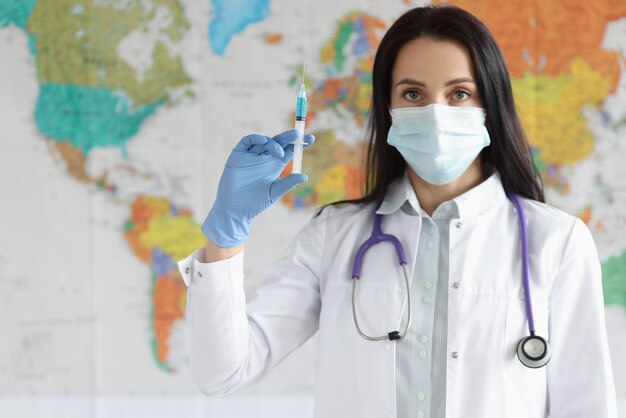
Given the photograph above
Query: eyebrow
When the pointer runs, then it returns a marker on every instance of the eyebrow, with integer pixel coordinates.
(449, 83)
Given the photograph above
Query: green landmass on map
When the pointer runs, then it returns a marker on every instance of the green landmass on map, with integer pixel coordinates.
(614, 280)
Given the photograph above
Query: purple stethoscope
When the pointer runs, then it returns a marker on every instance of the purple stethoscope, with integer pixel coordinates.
(533, 351)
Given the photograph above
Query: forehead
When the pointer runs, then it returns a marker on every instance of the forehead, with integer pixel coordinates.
(432, 58)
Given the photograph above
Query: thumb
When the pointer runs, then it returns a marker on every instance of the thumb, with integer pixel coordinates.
(282, 186)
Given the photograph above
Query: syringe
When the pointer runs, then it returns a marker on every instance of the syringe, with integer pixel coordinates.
(298, 145)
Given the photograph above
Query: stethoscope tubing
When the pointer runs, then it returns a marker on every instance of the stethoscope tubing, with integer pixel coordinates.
(526, 355)
(392, 335)
(525, 260)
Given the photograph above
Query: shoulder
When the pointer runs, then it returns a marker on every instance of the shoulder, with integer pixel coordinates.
(326, 233)
(544, 213)
(336, 223)
(335, 216)
(549, 222)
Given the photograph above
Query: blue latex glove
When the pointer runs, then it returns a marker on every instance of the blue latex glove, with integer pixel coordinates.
(250, 184)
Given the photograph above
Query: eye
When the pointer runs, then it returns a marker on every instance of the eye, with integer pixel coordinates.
(411, 95)
(460, 95)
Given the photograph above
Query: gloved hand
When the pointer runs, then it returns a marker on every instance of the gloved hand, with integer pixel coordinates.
(250, 184)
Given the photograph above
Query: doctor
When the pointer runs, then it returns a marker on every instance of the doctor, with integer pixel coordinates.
(447, 156)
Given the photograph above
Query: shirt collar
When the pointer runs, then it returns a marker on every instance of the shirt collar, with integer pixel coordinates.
(474, 202)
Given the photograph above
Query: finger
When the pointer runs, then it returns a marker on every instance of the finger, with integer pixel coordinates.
(275, 149)
(271, 148)
(287, 137)
(288, 153)
(249, 141)
(257, 149)
(284, 185)
(309, 139)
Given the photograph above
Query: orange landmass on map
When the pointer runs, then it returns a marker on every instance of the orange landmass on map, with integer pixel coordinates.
(354, 182)
(75, 160)
(374, 27)
(586, 214)
(543, 37)
(350, 155)
(143, 209)
(349, 92)
(76, 165)
(332, 86)
(169, 301)
(154, 223)
(273, 38)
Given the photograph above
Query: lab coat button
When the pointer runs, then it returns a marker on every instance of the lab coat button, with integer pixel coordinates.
(423, 338)
(455, 354)
(428, 285)
(423, 354)
(431, 244)
(186, 270)
(458, 225)
(456, 285)
(426, 299)
(421, 396)
(199, 274)
(431, 231)
(420, 414)
(448, 207)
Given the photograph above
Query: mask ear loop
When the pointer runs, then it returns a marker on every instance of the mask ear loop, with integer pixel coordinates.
(377, 237)
(533, 351)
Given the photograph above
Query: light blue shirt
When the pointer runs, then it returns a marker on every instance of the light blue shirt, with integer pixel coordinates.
(421, 356)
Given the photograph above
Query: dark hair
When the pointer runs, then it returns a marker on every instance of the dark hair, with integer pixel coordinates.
(509, 152)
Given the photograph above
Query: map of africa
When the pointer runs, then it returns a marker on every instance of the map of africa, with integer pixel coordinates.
(116, 117)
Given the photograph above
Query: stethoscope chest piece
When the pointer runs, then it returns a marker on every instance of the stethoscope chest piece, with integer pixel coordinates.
(534, 351)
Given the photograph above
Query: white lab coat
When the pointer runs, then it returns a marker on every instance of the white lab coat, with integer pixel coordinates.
(233, 343)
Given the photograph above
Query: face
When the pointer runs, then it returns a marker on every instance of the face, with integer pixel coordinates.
(431, 71)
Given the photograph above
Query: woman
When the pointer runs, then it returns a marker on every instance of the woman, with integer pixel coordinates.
(446, 150)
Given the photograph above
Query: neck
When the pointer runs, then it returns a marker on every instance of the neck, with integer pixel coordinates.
(430, 196)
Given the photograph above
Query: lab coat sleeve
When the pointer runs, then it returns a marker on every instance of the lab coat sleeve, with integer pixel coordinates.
(580, 379)
(233, 343)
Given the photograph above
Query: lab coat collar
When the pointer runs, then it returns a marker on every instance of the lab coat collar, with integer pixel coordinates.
(474, 202)
(481, 198)
(399, 192)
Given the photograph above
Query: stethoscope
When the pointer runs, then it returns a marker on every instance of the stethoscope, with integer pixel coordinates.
(533, 351)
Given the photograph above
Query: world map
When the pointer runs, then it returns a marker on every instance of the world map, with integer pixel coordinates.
(117, 89)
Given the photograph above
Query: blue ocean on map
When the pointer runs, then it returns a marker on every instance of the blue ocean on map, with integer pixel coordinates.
(231, 17)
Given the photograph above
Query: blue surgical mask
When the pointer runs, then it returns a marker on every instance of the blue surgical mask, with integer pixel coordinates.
(438, 142)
